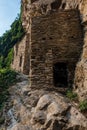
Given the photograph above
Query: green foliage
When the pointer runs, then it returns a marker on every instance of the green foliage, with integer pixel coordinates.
(8, 40)
(83, 105)
(1, 61)
(5, 62)
(9, 58)
(3, 97)
(7, 78)
(71, 95)
(11, 37)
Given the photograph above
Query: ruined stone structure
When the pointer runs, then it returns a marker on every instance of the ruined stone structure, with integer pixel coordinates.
(21, 56)
(56, 31)
(56, 44)
(56, 41)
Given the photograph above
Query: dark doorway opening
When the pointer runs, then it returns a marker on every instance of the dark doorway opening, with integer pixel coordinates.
(60, 75)
(20, 63)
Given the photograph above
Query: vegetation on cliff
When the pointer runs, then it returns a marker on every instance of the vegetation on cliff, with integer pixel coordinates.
(8, 40)
(7, 78)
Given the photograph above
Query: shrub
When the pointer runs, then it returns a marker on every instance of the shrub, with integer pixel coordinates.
(83, 105)
(8, 59)
(7, 78)
(71, 95)
(8, 40)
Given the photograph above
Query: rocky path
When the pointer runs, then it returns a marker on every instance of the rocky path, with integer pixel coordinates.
(29, 109)
(15, 103)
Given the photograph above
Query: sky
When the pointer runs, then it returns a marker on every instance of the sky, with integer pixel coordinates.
(8, 12)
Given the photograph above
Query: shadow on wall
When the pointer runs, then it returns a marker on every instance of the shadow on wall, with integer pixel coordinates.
(56, 4)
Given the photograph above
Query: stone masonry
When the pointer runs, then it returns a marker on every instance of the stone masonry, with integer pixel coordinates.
(56, 31)
(21, 56)
(56, 37)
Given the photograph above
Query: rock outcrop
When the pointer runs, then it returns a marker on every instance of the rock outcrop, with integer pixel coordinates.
(40, 110)
(81, 69)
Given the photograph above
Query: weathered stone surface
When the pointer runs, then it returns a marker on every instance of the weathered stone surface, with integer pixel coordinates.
(21, 127)
(39, 117)
(57, 113)
(54, 34)
(21, 56)
(44, 102)
(81, 68)
(52, 43)
(55, 28)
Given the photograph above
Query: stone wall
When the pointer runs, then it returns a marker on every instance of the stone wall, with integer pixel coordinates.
(21, 56)
(55, 37)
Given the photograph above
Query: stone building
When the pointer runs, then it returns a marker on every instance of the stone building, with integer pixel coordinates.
(56, 45)
(56, 31)
(56, 41)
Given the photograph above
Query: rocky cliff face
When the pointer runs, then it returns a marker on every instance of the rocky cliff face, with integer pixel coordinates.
(81, 69)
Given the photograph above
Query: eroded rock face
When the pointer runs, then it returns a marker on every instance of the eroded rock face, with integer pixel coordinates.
(31, 8)
(81, 69)
(59, 114)
(40, 7)
(28, 109)
(40, 110)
